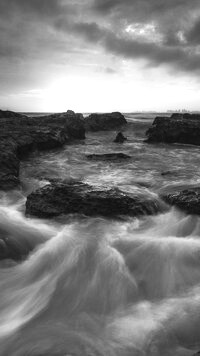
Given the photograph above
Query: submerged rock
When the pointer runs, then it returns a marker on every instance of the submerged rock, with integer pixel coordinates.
(20, 135)
(110, 121)
(120, 138)
(13, 248)
(187, 200)
(76, 197)
(169, 173)
(179, 128)
(108, 157)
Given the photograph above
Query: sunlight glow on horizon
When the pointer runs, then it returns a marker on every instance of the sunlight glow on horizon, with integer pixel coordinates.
(101, 92)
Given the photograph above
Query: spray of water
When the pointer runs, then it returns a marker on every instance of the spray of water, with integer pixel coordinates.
(102, 289)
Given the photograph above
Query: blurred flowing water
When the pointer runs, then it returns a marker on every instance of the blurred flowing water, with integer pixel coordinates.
(97, 287)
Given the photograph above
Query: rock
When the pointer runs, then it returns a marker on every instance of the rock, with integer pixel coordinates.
(11, 114)
(120, 138)
(169, 173)
(20, 135)
(9, 164)
(98, 122)
(11, 249)
(79, 198)
(70, 112)
(71, 123)
(108, 157)
(179, 128)
(187, 200)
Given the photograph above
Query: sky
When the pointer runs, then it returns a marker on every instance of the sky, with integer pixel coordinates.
(99, 55)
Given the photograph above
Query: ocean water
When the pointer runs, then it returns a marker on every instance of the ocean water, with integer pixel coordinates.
(98, 287)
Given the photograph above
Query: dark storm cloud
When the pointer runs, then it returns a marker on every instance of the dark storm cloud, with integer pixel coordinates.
(31, 30)
(32, 7)
(173, 42)
(30, 46)
(142, 8)
(193, 36)
(125, 47)
(27, 28)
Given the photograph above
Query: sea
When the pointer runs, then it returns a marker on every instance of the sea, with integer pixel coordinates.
(97, 286)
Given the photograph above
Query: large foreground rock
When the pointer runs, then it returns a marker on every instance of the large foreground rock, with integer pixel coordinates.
(187, 200)
(20, 135)
(98, 122)
(179, 128)
(75, 197)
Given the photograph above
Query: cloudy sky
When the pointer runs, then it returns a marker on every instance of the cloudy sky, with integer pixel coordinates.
(99, 55)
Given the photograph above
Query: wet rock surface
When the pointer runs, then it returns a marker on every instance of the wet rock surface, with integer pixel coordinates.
(20, 135)
(78, 198)
(179, 128)
(98, 122)
(187, 200)
(108, 157)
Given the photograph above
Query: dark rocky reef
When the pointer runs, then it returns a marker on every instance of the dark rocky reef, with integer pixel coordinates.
(59, 198)
(179, 128)
(108, 157)
(120, 138)
(98, 122)
(187, 200)
(20, 135)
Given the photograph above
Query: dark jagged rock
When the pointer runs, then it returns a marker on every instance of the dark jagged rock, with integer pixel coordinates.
(108, 157)
(187, 200)
(20, 135)
(98, 122)
(79, 198)
(120, 138)
(179, 128)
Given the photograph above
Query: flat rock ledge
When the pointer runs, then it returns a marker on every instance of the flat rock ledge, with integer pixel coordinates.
(187, 200)
(108, 157)
(179, 128)
(78, 198)
(102, 122)
(19, 135)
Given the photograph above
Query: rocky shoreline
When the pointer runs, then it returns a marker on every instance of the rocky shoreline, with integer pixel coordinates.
(20, 135)
(179, 128)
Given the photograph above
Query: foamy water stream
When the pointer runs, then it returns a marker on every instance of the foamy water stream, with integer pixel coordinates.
(97, 287)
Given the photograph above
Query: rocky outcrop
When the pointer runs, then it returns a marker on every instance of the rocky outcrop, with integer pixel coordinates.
(120, 138)
(108, 157)
(187, 200)
(71, 123)
(98, 122)
(79, 198)
(19, 135)
(179, 128)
